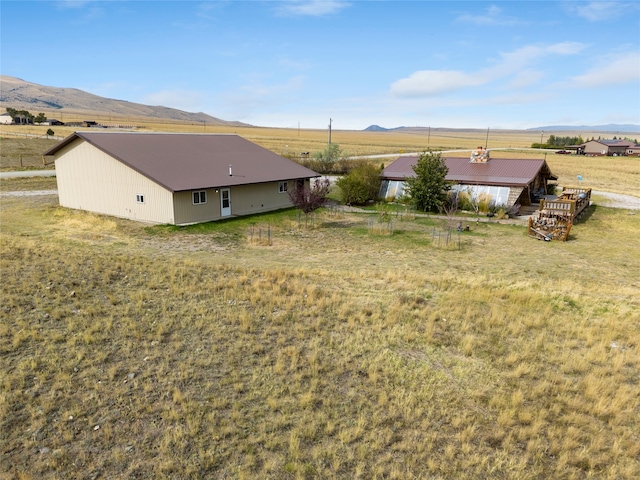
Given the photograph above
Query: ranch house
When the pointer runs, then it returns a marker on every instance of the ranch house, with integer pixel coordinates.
(506, 181)
(172, 178)
(597, 148)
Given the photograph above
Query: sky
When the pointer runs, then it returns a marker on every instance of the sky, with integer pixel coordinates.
(308, 63)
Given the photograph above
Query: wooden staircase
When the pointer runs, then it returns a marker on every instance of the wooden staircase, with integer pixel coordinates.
(527, 210)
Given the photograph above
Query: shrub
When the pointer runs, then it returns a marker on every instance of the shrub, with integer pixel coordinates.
(360, 185)
(428, 189)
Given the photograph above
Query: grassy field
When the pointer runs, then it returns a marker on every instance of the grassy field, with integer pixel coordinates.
(328, 351)
(612, 174)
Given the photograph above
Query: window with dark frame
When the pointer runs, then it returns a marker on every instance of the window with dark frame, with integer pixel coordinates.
(282, 187)
(199, 197)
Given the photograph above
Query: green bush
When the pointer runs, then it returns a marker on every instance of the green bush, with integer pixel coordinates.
(360, 185)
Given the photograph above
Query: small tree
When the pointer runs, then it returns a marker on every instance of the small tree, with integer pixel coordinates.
(40, 118)
(327, 158)
(20, 116)
(309, 199)
(451, 204)
(428, 189)
(360, 185)
(50, 133)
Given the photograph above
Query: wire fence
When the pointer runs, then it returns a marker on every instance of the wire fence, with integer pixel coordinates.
(446, 238)
(443, 237)
(260, 235)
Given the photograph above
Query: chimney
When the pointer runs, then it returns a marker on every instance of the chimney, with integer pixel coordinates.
(481, 155)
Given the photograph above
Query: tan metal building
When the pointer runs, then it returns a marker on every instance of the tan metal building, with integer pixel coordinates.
(597, 148)
(172, 178)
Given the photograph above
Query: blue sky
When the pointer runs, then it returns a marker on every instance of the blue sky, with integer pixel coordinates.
(473, 64)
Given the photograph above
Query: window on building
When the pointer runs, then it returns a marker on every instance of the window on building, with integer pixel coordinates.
(199, 197)
(139, 198)
(282, 187)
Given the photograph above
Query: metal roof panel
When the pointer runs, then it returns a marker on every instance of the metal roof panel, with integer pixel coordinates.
(180, 161)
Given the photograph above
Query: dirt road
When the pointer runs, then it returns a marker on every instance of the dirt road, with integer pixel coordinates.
(618, 200)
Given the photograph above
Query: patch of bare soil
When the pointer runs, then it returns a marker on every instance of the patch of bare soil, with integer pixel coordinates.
(618, 200)
(28, 193)
(186, 243)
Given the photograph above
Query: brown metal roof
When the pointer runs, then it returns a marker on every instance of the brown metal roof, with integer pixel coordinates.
(497, 171)
(187, 161)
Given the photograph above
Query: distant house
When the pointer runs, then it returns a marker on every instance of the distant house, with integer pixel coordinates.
(170, 178)
(506, 181)
(605, 147)
(52, 121)
(23, 120)
(634, 151)
(5, 119)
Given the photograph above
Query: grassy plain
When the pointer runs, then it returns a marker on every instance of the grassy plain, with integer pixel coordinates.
(130, 351)
(612, 174)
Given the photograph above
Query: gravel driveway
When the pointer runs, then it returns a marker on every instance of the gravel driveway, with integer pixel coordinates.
(613, 200)
(618, 200)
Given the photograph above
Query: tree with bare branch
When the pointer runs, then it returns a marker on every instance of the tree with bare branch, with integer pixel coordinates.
(309, 199)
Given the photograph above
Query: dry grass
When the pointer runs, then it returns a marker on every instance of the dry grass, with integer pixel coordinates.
(613, 174)
(18, 153)
(130, 351)
(609, 174)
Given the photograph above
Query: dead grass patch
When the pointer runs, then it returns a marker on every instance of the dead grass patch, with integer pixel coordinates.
(129, 351)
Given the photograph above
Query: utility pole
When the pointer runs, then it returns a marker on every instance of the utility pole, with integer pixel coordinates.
(330, 120)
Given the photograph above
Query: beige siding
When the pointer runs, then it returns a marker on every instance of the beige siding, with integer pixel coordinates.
(88, 179)
(594, 148)
(187, 212)
(245, 200)
(263, 197)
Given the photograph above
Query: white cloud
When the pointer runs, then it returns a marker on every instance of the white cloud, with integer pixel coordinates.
(313, 8)
(72, 3)
(210, 10)
(288, 63)
(426, 83)
(187, 100)
(623, 69)
(518, 59)
(526, 78)
(493, 16)
(602, 11)
(247, 100)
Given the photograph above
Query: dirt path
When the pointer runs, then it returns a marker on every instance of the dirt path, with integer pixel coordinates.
(618, 200)
(614, 200)
(28, 193)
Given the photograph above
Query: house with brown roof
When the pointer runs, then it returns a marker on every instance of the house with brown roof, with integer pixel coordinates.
(597, 148)
(505, 181)
(172, 178)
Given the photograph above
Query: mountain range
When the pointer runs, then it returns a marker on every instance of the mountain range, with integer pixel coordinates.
(22, 95)
(610, 128)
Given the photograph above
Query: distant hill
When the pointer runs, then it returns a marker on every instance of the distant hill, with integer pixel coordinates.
(21, 95)
(612, 127)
